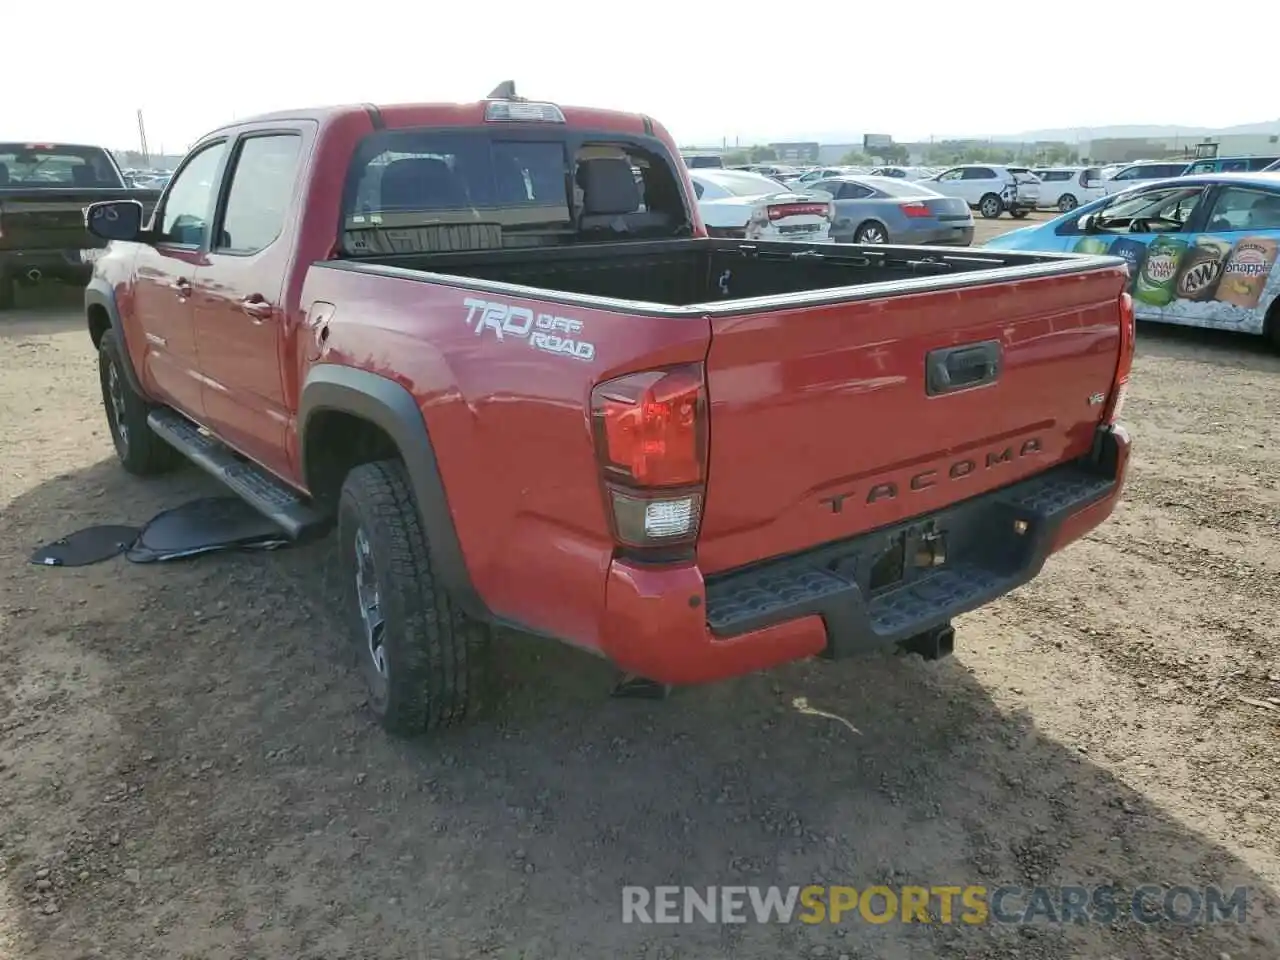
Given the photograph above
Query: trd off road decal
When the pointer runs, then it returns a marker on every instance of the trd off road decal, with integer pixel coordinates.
(542, 331)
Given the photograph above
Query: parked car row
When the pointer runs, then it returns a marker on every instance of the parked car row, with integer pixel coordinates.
(841, 208)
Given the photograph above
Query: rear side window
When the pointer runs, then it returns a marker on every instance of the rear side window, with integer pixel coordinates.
(978, 173)
(261, 189)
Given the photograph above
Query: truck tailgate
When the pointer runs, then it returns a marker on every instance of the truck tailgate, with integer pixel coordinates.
(54, 219)
(826, 422)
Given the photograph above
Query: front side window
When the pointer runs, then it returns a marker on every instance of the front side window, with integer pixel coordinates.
(1166, 210)
(189, 203)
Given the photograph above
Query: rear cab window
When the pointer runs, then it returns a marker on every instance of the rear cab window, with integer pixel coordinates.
(36, 166)
(432, 190)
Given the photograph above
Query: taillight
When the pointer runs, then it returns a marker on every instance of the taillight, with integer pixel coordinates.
(915, 210)
(650, 433)
(1128, 345)
(781, 211)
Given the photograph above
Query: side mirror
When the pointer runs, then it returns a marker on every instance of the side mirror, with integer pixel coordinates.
(114, 219)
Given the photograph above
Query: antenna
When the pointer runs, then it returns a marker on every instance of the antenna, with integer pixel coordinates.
(506, 90)
(142, 135)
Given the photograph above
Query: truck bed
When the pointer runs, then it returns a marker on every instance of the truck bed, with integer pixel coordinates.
(696, 273)
(849, 387)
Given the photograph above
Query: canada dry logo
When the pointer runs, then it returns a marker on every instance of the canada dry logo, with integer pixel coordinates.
(1161, 267)
(542, 331)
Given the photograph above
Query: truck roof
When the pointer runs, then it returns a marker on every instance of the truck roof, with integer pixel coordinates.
(399, 115)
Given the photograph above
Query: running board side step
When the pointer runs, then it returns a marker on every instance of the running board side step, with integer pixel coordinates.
(255, 486)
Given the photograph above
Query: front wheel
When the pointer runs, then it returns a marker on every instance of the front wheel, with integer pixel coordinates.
(139, 450)
(424, 661)
(1067, 202)
(871, 233)
(991, 206)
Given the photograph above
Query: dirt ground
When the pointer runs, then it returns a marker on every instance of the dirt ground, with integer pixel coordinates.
(187, 770)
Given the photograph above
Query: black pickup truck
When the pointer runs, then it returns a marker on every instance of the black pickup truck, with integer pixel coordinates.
(44, 189)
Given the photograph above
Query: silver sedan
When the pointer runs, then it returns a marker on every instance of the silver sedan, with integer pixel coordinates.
(886, 210)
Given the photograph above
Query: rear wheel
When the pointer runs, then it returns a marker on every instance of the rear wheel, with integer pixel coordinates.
(990, 206)
(423, 659)
(871, 233)
(1067, 202)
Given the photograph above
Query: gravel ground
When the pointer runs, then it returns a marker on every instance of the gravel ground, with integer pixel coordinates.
(187, 768)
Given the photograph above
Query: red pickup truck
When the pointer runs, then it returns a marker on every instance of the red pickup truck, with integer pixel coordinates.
(493, 344)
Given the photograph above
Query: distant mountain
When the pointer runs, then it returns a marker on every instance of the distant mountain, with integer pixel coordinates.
(1070, 134)
(1064, 134)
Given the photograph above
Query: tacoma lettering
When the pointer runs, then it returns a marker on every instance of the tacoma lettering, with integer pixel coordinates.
(925, 479)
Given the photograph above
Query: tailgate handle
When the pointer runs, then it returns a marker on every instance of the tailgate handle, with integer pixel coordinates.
(958, 368)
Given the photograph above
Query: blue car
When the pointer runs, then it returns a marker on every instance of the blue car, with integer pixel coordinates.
(1202, 250)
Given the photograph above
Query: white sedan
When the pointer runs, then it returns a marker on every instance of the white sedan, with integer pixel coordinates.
(749, 206)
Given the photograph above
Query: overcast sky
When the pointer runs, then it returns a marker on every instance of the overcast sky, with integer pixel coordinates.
(708, 70)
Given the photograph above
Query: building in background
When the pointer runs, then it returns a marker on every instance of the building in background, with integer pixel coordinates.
(1128, 149)
(796, 152)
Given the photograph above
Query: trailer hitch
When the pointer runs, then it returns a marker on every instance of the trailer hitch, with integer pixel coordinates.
(932, 644)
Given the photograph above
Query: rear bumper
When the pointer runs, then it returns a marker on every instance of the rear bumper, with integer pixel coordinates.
(671, 625)
(68, 266)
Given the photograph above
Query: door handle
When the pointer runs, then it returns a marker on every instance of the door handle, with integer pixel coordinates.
(959, 368)
(257, 308)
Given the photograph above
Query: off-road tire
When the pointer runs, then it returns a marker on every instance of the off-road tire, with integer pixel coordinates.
(1067, 202)
(140, 451)
(436, 657)
(991, 206)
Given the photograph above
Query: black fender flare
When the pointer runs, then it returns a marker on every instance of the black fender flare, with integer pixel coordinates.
(98, 293)
(392, 408)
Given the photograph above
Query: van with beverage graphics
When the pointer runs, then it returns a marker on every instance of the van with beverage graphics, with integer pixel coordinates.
(1201, 250)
